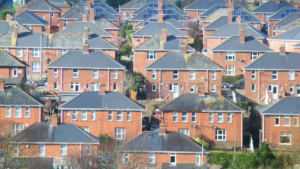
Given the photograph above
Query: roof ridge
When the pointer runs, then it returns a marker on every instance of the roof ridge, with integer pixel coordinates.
(109, 13)
(146, 41)
(26, 129)
(32, 17)
(113, 59)
(287, 25)
(59, 107)
(231, 102)
(70, 9)
(191, 5)
(192, 140)
(51, 5)
(85, 132)
(286, 32)
(110, 7)
(17, 59)
(255, 30)
(106, 41)
(177, 20)
(272, 105)
(104, 19)
(223, 42)
(157, 60)
(250, 63)
(280, 20)
(210, 60)
(173, 100)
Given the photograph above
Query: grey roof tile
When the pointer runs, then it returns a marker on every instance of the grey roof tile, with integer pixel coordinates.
(285, 106)
(178, 61)
(8, 60)
(288, 19)
(75, 12)
(207, 103)
(80, 27)
(106, 6)
(166, 18)
(140, 16)
(271, 7)
(93, 59)
(292, 34)
(100, 21)
(107, 101)
(288, 26)
(174, 7)
(28, 18)
(42, 5)
(8, 26)
(11, 80)
(31, 39)
(277, 15)
(137, 4)
(204, 4)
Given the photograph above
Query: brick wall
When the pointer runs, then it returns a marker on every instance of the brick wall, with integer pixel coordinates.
(63, 10)
(54, 20)
(193, 14)
(115, 32)
(37, 28)
(8, 72)
(128, 11)
(270, 30)
(261, 17)
(211, 42)
(275, 44)
(206, 33)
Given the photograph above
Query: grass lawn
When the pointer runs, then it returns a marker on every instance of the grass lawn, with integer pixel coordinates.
(250, 8)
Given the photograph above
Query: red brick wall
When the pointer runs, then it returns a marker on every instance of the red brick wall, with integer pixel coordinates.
(128, 11)
(211, 42)
(270, 30)
(261, 17)
(37, 28)
(297, 50)
(138, 40)
(54, 20)
(206, 33)
(63, 10)
(275, 45)
(8, 72)
(100, 125)
(115, 33)
(184, 81)
(192, 13)
(278, 33)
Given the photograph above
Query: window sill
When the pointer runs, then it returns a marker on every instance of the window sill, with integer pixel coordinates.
(287, 144)
(17, 117)
(175, 121)
(277, 125)
(119, 120)
(75, 77)
(93, 120)
(8, 116)
(292, 80)
(26, 117)
(220, 140)
(74, 120)
(184, 122)
(55, 89)
(83, 120)
(252, 91)
(286, 125)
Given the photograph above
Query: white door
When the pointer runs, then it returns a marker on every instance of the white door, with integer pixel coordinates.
(93, 87)
(274, 91)
(76, 86)
(298, 91)
(175, 90)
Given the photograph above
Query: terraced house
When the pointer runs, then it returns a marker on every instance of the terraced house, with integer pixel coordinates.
(29, 20)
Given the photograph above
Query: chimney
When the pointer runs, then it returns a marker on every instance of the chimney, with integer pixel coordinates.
(183, 49)
(61, 25)
(88, 4)
(86, 33)
(86, 48)
(229, 15)
(84, 17)
(92, 14)
(258, 26)
(201, 90)
(242, 35)
(296, 5)
(277, 1)
(162, 128)
(2, 84)
(282, 49)
(160, 16)
(231, 7)
(16, 31)
(25, 8)
(102, 88)
(92, 1)
(8, 17)
(227, 2)
(238, 19)
(54, 120)
(48, 30)
(163, 35)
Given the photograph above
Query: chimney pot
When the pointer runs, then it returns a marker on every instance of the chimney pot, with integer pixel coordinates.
(92, 14)
(86, 33)
(227, 2)
(86, 48)
(277, 1)
(183, 49)
(229, 15)
(163, 35)
(162, 128)
(242, 35)
(54, 120)
(238, 19)
(231, 7)
(16, 31)
(88, 4)
(282, 49)
(8, 17)
(84, 17)
(2, 84)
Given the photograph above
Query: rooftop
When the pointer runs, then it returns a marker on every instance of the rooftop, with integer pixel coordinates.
(285, 106)
(137, 4)
(271, 7)
(283, 12)
(42, 5)
(204, 4)
(8, 60)
(291, 34)
(166, 18)
(286, 20)
(288, 26)
(28, 18)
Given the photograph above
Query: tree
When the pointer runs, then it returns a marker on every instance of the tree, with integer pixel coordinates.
(116, 3)
(194, 28)
(178, 4)
(132, 81)
(126, 31)
(126, 49)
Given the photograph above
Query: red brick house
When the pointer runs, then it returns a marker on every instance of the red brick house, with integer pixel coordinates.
(29, 20)
(237, 51)
(273, 75)
(154, 48)
(289, 25)
(217, 119)
(277, 123)
(100, 112)
(177, 72)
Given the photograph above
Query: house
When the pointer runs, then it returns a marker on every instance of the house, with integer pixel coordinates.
(237, 51)
(178, 72)
(19, 108)
(104, 112)
(12, 70)
(287, 20)
(196, 9)
(279, 121)
(84, 71)
(217, 119)
(65, 143)
(164, 149)
(273, 75)
(30, 20)
(287, 26)
(289, 38)
(154, 48)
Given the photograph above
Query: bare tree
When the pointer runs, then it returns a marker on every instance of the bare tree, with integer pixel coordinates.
(127, 81)
(194, 28)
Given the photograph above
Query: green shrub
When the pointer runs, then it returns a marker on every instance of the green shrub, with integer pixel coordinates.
(103, 139)
(246, 104)
(231, 79)
(5, 12)
(20, 85)
(202, 142)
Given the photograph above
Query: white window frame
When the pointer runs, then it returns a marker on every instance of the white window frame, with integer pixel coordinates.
(151, 55)
(291, 75)
(17, 128)
(286, 135)
(230, 56)
(296, 120)
(274, 74)
(95, 73)
(36, 67)
(120, 132)
(55, 72)
(65, 22)
(86, 129)
(63, 150)
(16, 150)
(175, 116)
(110, 115)
(193, 116)
(252, 87)
(19, 111)
(213, 87)
(254, 55)
(175, 74)
(151, 158)
(184, 131)
(223, 134)
(88, 149)
(36, 52)
(192, 74)
(192, 90)
(115, 87)
(52, 15)
(119, 115)
(83, 114)
(15, 72)
(8, 111)
(126, 157)
(128, 115)
(55, 85)
(42, 148)
(184, 116)
(19, 52)
(153, 87)
(253, 74)
(211, 117)
(173, 155)
(27, 112)
(63, 51)
(291, 87)
(75, 73)
(198, 159)
(153, 74)
(277, 117)
(289, 119)
(284, 43)
(74, 114)
(213, 75)
(115, 74)
(220, 117)
(229, 117)
(93, 115)
(230, 71)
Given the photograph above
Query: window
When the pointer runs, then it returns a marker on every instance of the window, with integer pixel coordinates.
(285, 138)
(286, 120)
(17, 128)
(254, 55)
(55, 72)
(119, 116)
(230, 56)
(65, 23)
(153, 74)
(16, 150)
(210, 117)
(29, 27)
(295, 120)
(151, 55)
(8, 112)
(95, 73)
(94, 86)
(128, 117)
(184, 117)
(27, 112)
(213, 75)
(284, 43)
(52, 14)
(252, 74)
(75, 73)
(17, 111)
(83, 115)
(36, 67)
(74, 115)
(274, 75)
(63, 51)
(15, 72)
(192, 74)
(151, 158)
(42, 16)
(88, 149)
(192, 88)
(153, 87)
(63, 149)
(253, 87)
(114, 86)
(175, 117)
(86, 129)
(175, 74)
(126, 157)
(229, 117)
(41, 149)
(170, 87)
(115, 74)
(93, 115)
(277, 120)
(184, 131)
(193, 116)
(220, 135)
(36, 52)
(291, 75)
(120, 133)
(54, 85)
(197, 159)
(220, 117)
(110, 116)
(229, 70)
(20, 52)
(213, 87)
(291, 89)
(173, 158)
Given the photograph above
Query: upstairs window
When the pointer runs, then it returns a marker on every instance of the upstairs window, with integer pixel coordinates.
(151, 55)
(175, 74)
(230, 56)
(254, 55)
(274, 75)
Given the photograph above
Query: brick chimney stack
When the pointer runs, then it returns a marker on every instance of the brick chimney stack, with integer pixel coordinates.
(282, 49)
(84, 17)
(163, 35)
(92, 1)
(86, 48)
(160, 15)
(102, 88)
(258, 26)
(227, 2)
(242, 35)
(16, 31)
(231, 7)
(296, 5)
(61, 25)
(86, 33)
(92, 14)
(229, 15)
(162, 128)
(54, 120)
(238, 19)
(2, 84)
(48, 30)
(277, 1)
(88, 4)
(8, 17)
(183, 49)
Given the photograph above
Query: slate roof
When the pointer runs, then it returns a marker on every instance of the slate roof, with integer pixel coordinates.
(216, 15)
(154, 28)
(217, 7)
(16, 97)
(80, 27)
(25, 39)
(288, 26)
(234, 29)
(285, 106)
(62, 133)
(271, 7)
(98, 101)
(208, 102)
(288, 19)
(154, 43)
(275, 61)
(292, 34)
(106, 6)
(59, 3)
(8, 26)
(8, 60)
(178, 61)
(137, 4)
(74, 13)
(100, 21)
(28, 18)
(234, 44)
(277, 15)
(166, 18)
(81, 60)
(152, 141)
(42, 5)
(204, 4)
(140, 16)
(174, 7)
(11, 80)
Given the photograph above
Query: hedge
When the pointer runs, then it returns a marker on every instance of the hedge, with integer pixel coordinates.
(231, 79)
(5, 12)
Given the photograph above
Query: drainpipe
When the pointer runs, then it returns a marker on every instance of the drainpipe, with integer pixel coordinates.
(258, 85)
(41, 56)
(207, 81)
(109, 79)
(160, 84)
(242, 130)
(141, 121)
(263, 132)
(27, 61)
(62, 79)
(62, 116)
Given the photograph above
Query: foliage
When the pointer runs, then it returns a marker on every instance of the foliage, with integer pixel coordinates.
(150, 106)
(246, 104)
(103, 139)
(20, 85)
(250, 8)
(126, 49)
(126, 30)
(5, 12)
(138, 78)
(194, 28)
(202, 142)
(231, 79)
(197, 44)
(116, 3)
(178, 4)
